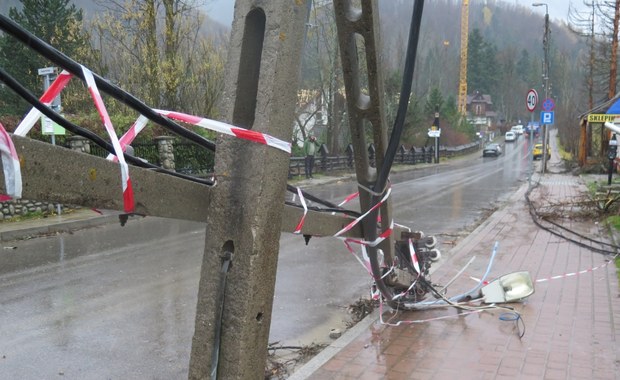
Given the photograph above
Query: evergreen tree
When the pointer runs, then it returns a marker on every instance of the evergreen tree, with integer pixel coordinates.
(524, 66)
(434, 102)
(56, 22)
(483, 70)
(475, 62)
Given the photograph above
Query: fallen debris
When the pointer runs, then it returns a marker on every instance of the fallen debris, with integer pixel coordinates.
(282, 360)
(360, 309)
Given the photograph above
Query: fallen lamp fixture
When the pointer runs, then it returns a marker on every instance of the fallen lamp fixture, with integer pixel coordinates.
(511, 287)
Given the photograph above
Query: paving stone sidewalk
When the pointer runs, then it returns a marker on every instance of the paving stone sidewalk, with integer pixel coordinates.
(571, 324)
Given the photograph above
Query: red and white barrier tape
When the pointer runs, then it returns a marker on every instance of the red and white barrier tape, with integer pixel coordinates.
(218, 126)
(130, 135)
(48, 96)
(303, 218)
(414, 258)
(356, 221)
(565, 275)
(10, 167)
(349, 198)
(560, 276)
(128, 200)
(384, 235)
(365, 262)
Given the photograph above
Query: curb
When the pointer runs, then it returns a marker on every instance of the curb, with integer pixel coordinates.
(335, 347)
(59, 227)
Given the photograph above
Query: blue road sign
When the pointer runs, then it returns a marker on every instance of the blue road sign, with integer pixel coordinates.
(548, 104)
(546, 117)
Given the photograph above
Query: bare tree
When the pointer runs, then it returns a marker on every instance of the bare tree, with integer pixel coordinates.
(158, 50)
(325, 77)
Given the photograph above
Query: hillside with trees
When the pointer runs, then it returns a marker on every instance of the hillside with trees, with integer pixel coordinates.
(168, 54)
(505, 55)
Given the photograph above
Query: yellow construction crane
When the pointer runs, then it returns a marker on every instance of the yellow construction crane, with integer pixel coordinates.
(462, 99)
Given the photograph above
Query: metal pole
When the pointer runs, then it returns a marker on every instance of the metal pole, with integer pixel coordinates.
(531, 148)
(436, 125)
(546, 72)
(46, 85)
(613, 149)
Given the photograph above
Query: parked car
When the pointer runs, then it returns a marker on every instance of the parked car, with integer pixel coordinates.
(492, 150)
(537, 152)
(510, 136)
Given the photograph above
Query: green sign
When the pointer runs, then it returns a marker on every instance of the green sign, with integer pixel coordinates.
(48, 127)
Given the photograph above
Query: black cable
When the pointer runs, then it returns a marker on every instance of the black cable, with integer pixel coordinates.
(546, 219)
(536, 220)
(383, 174)
(58, 58)
(311, 197)
(405, 93)
(30, 98)
(317, 209)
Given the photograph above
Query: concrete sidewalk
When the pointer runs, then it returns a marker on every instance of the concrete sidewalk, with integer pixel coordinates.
(571, 324)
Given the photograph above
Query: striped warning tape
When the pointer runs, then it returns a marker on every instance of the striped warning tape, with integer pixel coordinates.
(218, 126)
(48, 96)
(10, 167)
(303, 218)
(128, 201)
(565, 275)
(130, 135)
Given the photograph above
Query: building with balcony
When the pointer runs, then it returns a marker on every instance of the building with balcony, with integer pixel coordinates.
(480, 113)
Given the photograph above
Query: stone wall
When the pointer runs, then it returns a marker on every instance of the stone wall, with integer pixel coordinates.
(22, 207)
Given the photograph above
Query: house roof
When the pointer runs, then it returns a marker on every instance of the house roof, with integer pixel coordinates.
(479, 98)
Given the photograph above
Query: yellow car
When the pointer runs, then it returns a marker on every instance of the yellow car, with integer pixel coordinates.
(538, 151)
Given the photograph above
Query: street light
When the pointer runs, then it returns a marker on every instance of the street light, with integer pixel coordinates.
(540, 5)
(546, 77)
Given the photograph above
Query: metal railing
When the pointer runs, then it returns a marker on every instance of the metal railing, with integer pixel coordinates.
(330, 164)
(192, 159)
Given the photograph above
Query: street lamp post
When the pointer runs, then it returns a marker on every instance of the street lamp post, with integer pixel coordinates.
(611, 154)
(545, 78)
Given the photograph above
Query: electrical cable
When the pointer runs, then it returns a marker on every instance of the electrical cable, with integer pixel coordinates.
(58, 58)
(318, 209)
(405, 93)
(578, 234)
(536, 219)
(383, 173)
(311, 197)
(516, 317)
(30, 98)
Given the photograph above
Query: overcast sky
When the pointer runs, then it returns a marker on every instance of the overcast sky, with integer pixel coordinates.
(558, 9)
(222, 10)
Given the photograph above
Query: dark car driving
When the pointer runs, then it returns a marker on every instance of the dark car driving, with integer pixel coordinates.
(492, 150)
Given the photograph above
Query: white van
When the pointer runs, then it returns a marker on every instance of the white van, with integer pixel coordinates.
(517, 129)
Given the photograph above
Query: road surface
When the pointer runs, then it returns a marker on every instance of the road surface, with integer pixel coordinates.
(119, 302)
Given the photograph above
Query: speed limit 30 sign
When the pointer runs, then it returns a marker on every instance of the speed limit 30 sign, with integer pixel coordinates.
(531, 100)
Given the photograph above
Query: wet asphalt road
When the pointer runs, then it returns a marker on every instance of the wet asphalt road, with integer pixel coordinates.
(119, 302)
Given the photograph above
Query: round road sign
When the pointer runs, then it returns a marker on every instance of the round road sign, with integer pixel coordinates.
(531, 100)
(548, 105)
